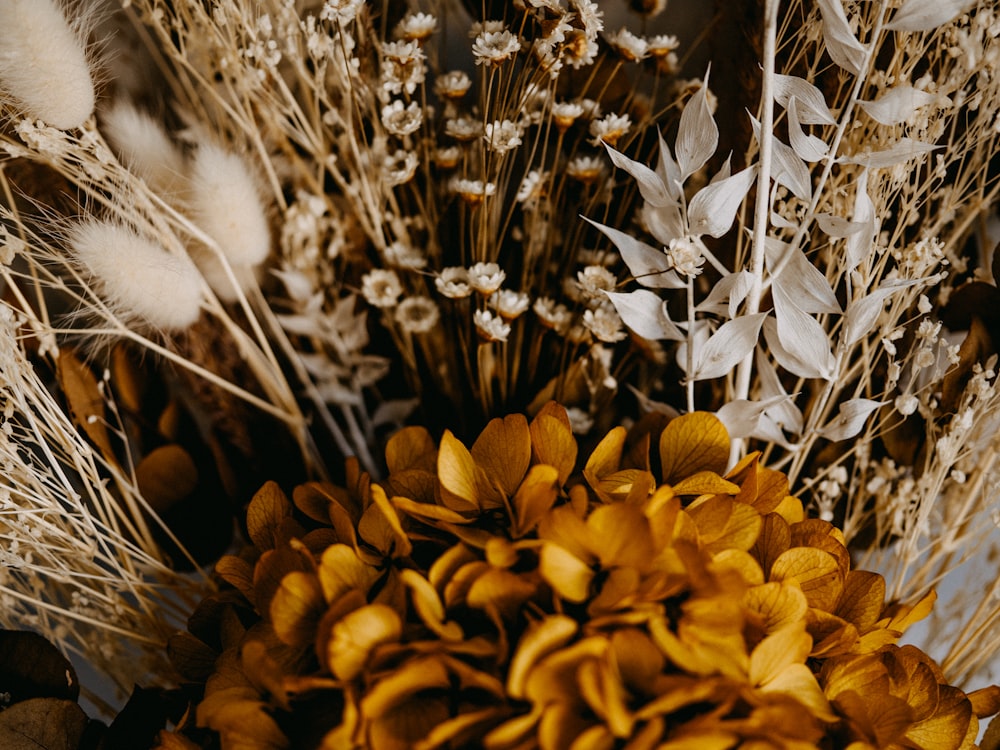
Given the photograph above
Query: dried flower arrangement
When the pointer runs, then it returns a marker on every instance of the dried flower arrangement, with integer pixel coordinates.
(241, 242)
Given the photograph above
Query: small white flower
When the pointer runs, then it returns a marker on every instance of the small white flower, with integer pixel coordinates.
(631, 47)
(473, 191)
(486, 278)
(586, 169)
(566, 113)
(452, 85)
(401, 119)
(594, 280)
(552, 314)
(532, 187)
(609, 129)
(502, 136)
(494, 47)
(453, 282)
(399, 167)
(490, 328)
(463, 128)
(509, 304)
(417, 315)
(343, 11)
(686, 255)
(416, 26)
(605, 323)
(381, 288)
(404, 255)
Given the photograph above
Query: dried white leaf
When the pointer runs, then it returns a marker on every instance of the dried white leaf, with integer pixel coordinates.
(898, 104)
(742, 417)
(808, 147)
(799, 278)
(811, 104)
(649, 266)
(784, 412)
(394, 411)
(665, 223)
(803, 338)
(668, 170)
(714, 208)
(859, 243)
(843, 46)
(645, 314)
(727, 347)
(924, 15)
(862, 315)
(900, 152)
(838, 227)
(697, 134)
(789, 170)
(850, 419)
(725, 171)
(651, 187)
(733, 287)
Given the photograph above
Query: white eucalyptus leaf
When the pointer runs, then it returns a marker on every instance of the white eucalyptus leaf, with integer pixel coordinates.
(838, 227)
(788, 170)
(784, 412)
(725, 171)
(850, 419)
(727, 347)
(898, 104)
(924, 15)
(394, 411)
(668, 170)
(651, 187)
(665, 223)
(803, 338)
(769, 431)
(859, 244)
(900, 152)
(843, 46)
(779, 221)
(742, 417)
(798, 278)
(807, 147)
(727, 294)
(697, 134)
(714, 208)
(645, 314)
(649, 266)
(811, 103)
(862, 315)
(300, 325)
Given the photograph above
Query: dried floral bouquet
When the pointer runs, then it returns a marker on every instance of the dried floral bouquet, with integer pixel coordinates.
(717, 345)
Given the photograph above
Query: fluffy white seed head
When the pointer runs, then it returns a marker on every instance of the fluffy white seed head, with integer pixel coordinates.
(43, 64)
(137, 279)
(226, 204)
(144, 146)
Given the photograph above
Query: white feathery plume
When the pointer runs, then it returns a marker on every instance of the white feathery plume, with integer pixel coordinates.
(225, 202)
(136, 278)
(144, 146)
(43, 63)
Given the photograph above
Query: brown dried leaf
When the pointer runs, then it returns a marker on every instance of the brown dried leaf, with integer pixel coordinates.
(42, 724)
(503, 451)
(166, 476)
(552, 440)
(411, 448)
(267, 510)
(86, 404)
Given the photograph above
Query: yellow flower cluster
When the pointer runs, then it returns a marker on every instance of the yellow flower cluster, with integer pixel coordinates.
(488, 597)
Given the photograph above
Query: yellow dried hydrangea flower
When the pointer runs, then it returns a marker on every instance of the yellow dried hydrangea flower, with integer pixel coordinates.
(488, 597)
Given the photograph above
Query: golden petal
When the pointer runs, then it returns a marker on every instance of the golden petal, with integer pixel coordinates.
(357, 635)
(705, 483)
(296, 608)
(862, 599)
(428, 606)
(692, 443)
(503, 451)
(563, 526)
(341, 570)
(778, 604)
(380, 526)
(410, 448)
(568, 575)
(606, 457)
(817, 572)
(535, 497)
(500, 589)
(268, 508)
(797, 681)
(540, 639)
(402, 726)
(552, 440)
(789, 645)
(739, 562)
(457, 471)
(622, 536)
